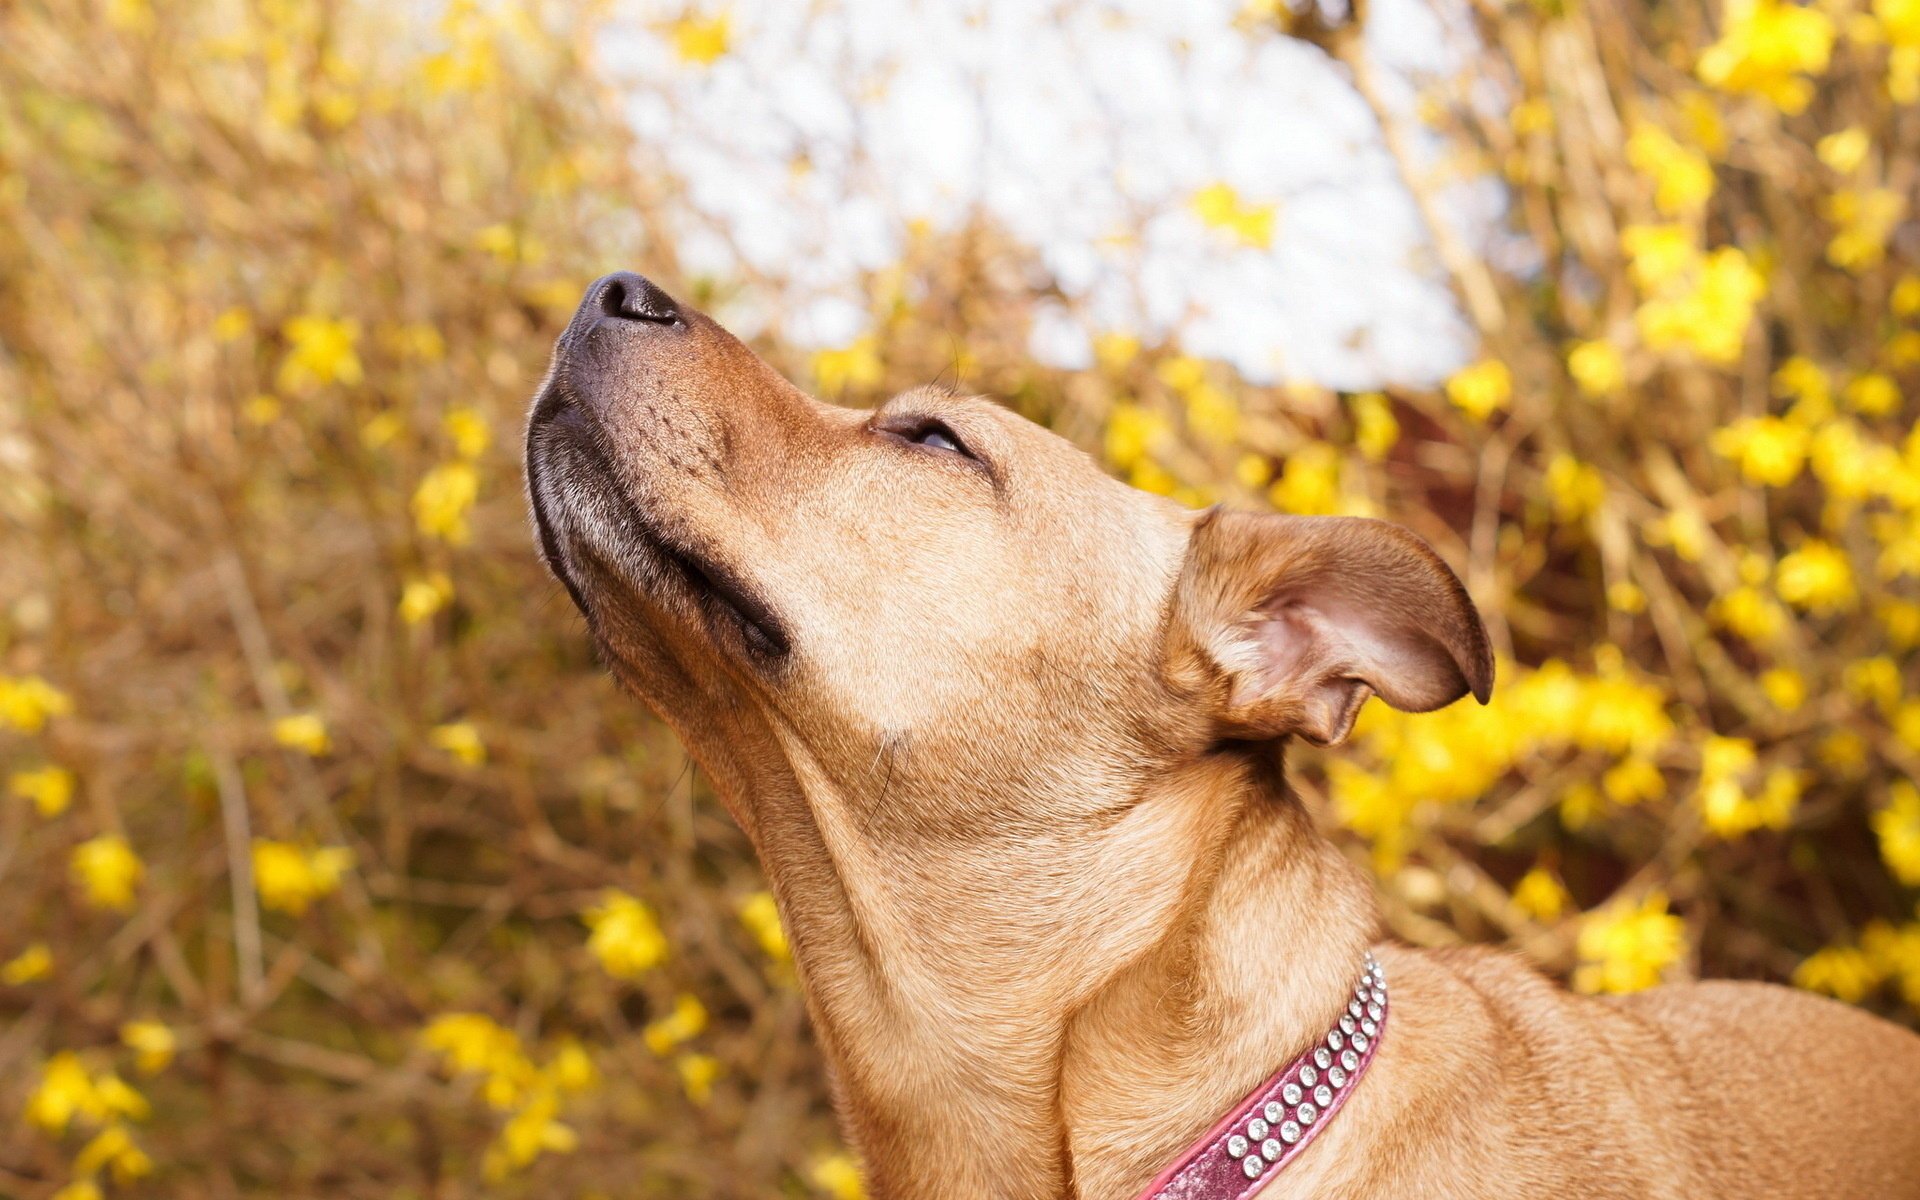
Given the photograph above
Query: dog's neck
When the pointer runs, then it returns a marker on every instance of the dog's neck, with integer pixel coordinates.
(1061, 1025)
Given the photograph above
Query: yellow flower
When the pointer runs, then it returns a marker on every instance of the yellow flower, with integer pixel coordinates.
(441, 502)
(529, 1133)
(67, 1093)
(500, 241)
(1632, 780)
(1375, 431)
(1575, 488)
(571, 1069)
(1707, 310)
(1901, 620)
(381, 429)
(1766, 49)
(1682, 178)
(855, 366)
(80, 1189)
(471, 62)
(423, 596)
(1220, 207)
(1115, 351)
(113, 1148)
(1181, 372)
(701, 40)
(624, 935)
(1865, 219)
(1905, 297)
(1368, 803)
(1906, 725)
(1898, 828)
(1843, 972)
(1899, 21)
(305, 732)
(762, 919)
(1852, 466)
(1685, 531)
(1211, 415)
(1903, 75)
(1597, 368)
(1873, 395)
(415, 339)
(1150, 476)
(50, 788)
(232, 324)
(1723, 757)
(1626, 947)
(1729, 811)
(1749, 612)
(153, 1045)
(27, 702)
(1844, 750)
(1624, 595)
(462, 740)
(1895, 953)
(1481, 389)
(1252, 471)
(1816, 578)
(1658, 254)
(683, 1024)
(697, 1075)
(108, 871)
(262, 409)
(320, 350)
(838, 1176)
(1532, 115)
(1769, 450)
(1132, 433)
(1803, 381)
(471, 1043)
(469, 432)
(1309, 482)
(1540, 894)
(33, 963)
(289, 878)
(1845, 149)
(1875, 680)
(1785, 687)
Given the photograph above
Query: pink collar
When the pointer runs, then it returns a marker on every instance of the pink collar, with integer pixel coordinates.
(1268, 1130)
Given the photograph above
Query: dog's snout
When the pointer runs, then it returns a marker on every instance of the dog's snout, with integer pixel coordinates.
(626, 296)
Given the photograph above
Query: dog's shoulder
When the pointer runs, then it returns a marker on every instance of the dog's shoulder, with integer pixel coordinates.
(1821, 1085)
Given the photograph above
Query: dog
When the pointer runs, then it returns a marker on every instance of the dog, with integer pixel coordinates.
(1007, 737)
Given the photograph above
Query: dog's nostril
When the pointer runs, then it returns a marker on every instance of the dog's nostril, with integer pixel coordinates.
(630, 297)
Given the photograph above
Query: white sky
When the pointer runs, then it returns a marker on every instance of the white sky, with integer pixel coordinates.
(1083, 127)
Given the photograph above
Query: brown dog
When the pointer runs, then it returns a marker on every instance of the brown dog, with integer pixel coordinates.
(1006, 736)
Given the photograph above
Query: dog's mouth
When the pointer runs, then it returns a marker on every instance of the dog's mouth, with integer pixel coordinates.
(611, 533)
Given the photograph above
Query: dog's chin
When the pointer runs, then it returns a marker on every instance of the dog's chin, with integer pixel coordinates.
(607, 551)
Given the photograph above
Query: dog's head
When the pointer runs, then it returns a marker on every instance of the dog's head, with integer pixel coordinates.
(935, 618)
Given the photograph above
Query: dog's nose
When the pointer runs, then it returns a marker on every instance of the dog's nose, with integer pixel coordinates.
(628, 297)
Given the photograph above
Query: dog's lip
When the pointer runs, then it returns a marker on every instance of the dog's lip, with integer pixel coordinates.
(723, 596)
(762, 631)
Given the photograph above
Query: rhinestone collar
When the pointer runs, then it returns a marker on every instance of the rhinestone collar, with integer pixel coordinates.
(1268, 1130)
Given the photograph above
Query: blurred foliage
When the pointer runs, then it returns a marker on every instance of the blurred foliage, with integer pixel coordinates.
(334, 865)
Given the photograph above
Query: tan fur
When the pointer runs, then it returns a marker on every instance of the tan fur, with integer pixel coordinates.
(1010, 755)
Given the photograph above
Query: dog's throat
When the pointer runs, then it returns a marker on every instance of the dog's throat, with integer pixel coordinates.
(1270, 1128)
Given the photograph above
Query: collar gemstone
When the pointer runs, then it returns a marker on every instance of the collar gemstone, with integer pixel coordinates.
(1269, 1128)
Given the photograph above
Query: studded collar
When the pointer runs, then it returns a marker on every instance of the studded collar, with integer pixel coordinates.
(1269, 1128)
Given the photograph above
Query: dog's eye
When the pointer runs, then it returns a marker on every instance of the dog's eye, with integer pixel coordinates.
(936, 436)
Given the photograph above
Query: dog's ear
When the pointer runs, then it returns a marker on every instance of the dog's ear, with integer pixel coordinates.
(1292, 622)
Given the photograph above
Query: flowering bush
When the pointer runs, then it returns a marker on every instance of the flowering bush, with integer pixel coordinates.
(333, 865)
